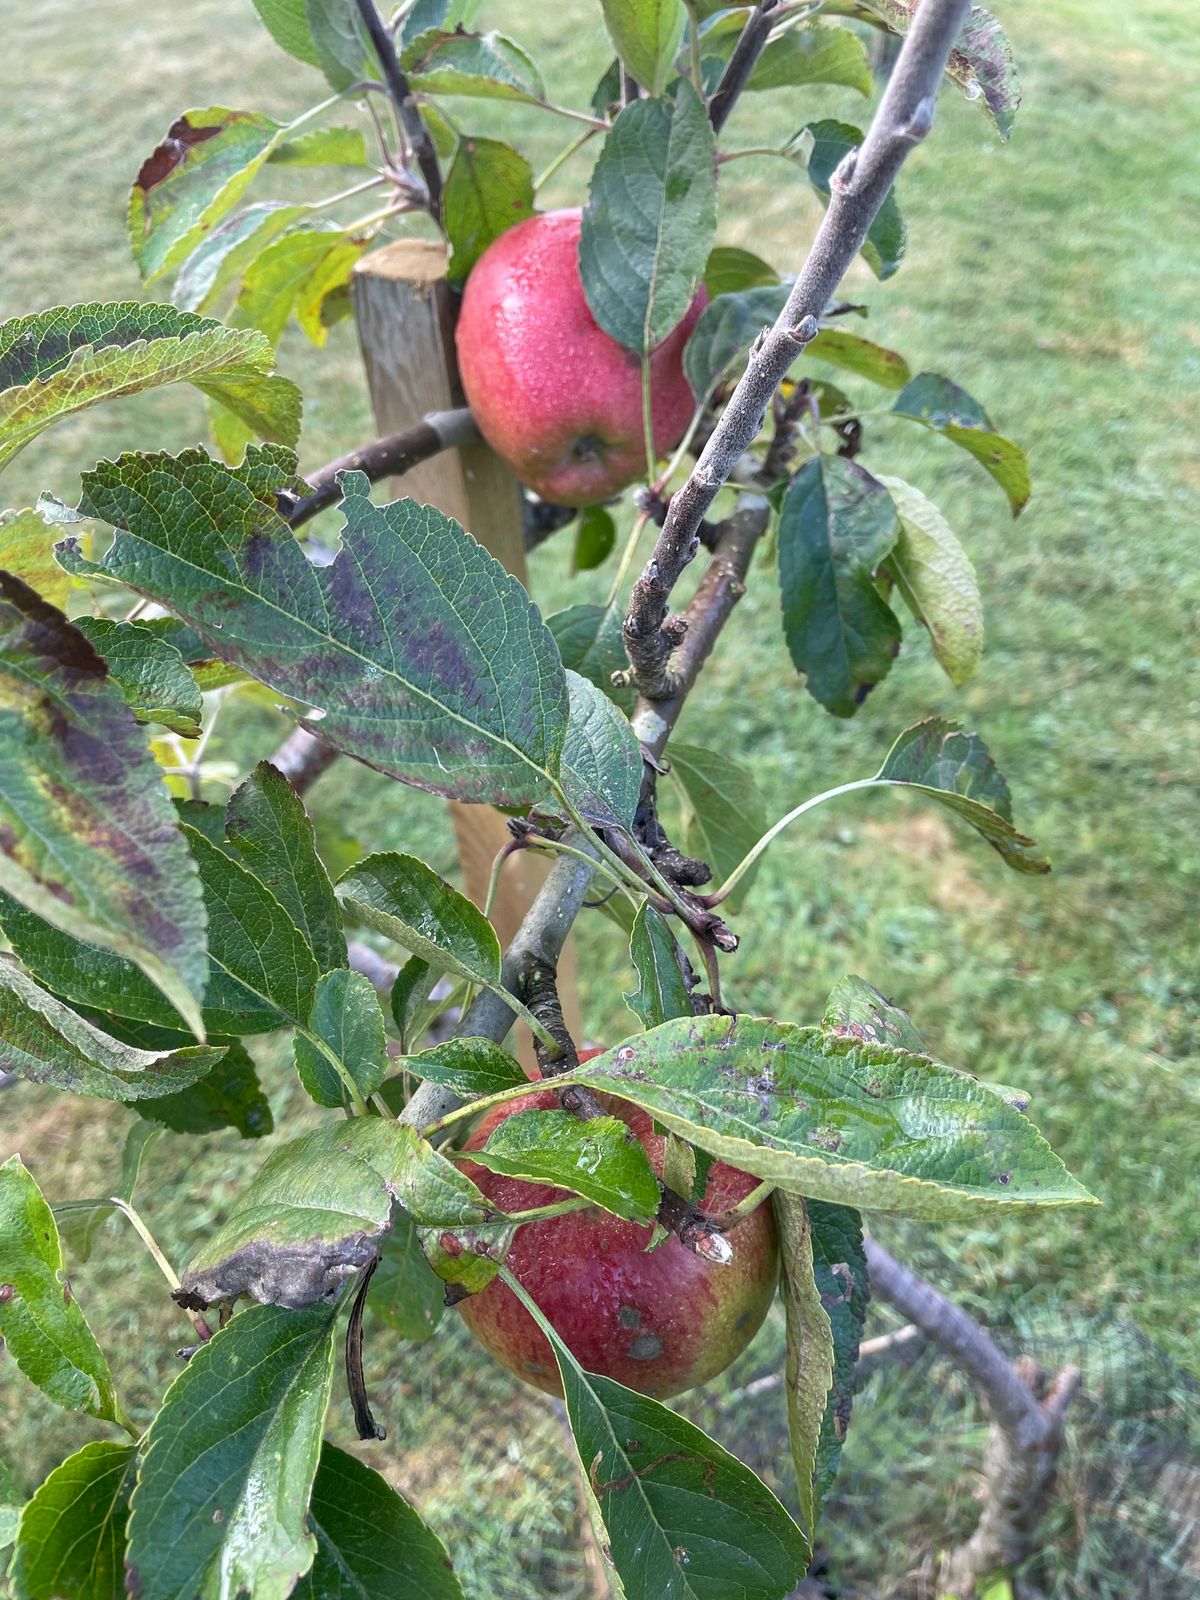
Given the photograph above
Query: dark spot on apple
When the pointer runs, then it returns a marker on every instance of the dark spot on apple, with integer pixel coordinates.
(587, 447)
(646, 1347)
(629, 1317)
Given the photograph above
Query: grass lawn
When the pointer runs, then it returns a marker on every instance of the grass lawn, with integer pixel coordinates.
(1055, 278)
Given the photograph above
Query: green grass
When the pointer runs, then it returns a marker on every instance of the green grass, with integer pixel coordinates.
(1056, 279)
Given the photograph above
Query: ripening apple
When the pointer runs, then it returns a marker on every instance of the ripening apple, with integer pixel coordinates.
(551, 392)
(659, 1322)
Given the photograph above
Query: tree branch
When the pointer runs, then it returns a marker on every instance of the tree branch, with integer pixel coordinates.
(302, 759)
(741, 63)
(411, 120)
(858, 188)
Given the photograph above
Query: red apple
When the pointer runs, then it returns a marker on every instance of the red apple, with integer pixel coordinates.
(658, 1322)
(552, 393)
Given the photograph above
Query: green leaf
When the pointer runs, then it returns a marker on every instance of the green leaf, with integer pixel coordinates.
(269, 831)
(851, 351)
(955, 768)
(726, 329)
(42, 1327)
(149, 672)
(407, 901)
(647, 35)
(724, 814)
(275, 280)
(371, 1544)
(934, 574)
(423, 656)
(840, 1269)
(346, 1016)
(469, 1255)
(836, 525)
(649, 221)
(406, 1294)
(601, 767)
(886, 237)
(80, 1221)
(322, 147)
(484, 66)
(598, 1159)
(855, 1010)
(656, 955)
(229, 1096)
(590, 643)
(26, 550)
(836, 1119)
(681, 1516)
(221, 257)
(71, 1544)
(595, 537)
(45, 1041)
(287, 23)
(61, 361)
(730, 269)
(221, 1504)
(489, 188)
(11, 1501)
(194, 178)
(325, 289)
(813, 55)
(944, 407)
(315, 1213)
(409, 993)
(341, 42)
(471, 1067)
(809, 1366)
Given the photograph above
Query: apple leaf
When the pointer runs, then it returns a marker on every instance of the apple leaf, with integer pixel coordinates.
(680, 1516)
(853, 353)
(601, 766)
(149, 672)
(839, 1266)
(470, 1255)
(649, 221)
(41, 1325)
(814, 54)
(402, 898)
(489, 188)
(280, 276)
(836, 1119)
(317, 1209)
(726, 329)
(408, 996)
(836, 525)
(855, 1010)
(371, 1544)
(406, 1294)
(829, 142)
(598, 1159)
(808, 1370)
(346, 1017)
(938, 404)
(934, 574)
(724, 814)
(26, 550)
(269, 832)
(287, 23)
(423, 657)
(71, 1540)
(590, 643)
(663, 992)
(228, 1096)
(341, 42)
(11, 1501)
(471, 1067)
(647, 35)
(221, 256)
(484, 66)
(595, 537)
(221, 1504)
(80, 1221)
(45, 1041)
(322, 147)
(730, 268)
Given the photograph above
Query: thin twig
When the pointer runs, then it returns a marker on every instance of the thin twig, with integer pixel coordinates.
(302, 759)
(741, 63)
(411, 120)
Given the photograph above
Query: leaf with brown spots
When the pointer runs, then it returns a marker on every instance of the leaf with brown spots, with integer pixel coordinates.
(936, 403)
(88, 836)
(420, 654)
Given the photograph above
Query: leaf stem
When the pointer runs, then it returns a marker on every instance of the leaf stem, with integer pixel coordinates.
(747, 861)
(596, 124)
(557, 1208)
(648, 419)
(564, 156)
(744, 1207)
(339, 1066)
(627, 559)
(347, 194)
(203, 1331)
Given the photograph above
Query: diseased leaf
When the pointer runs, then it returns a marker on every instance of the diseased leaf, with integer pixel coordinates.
(663, 992)
(424, 657)
(221, 1503)
(601, 764)
(471, 1067)
(194, 177)
(316, 1211)
(406, 1294)
(886, 237)
(45, 1041)
(934, 574)
(149, 672)
(406, 900)
(484, 66)
(371, 1544)
(341, 42)
(855, 1010)
(851, 351)
(287, 23)
(945, 408)
(681, 1516)
(26, 550)
(649, 221)
(647, 34)
(469, 1255)
(345, 1015)
(836, 525)
(274, 281)
(590, 642)
(836, 1119)
(595, 536)
(597, 1158)
(42, 1327)
(955, 768)
(809, 1366)
(219, 260)
(840, 1269)
(71, 1544)
(489, 188)
(270, 834)
(814, 54)
(61, 361)
(730, 269)
(323, 296)
(724, 814)
(80, 1221)
(322, 147)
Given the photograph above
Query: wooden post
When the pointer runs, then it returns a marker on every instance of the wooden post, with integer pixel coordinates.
(405, 314)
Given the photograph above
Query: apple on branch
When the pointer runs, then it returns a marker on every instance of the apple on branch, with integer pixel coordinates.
(551, 392)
